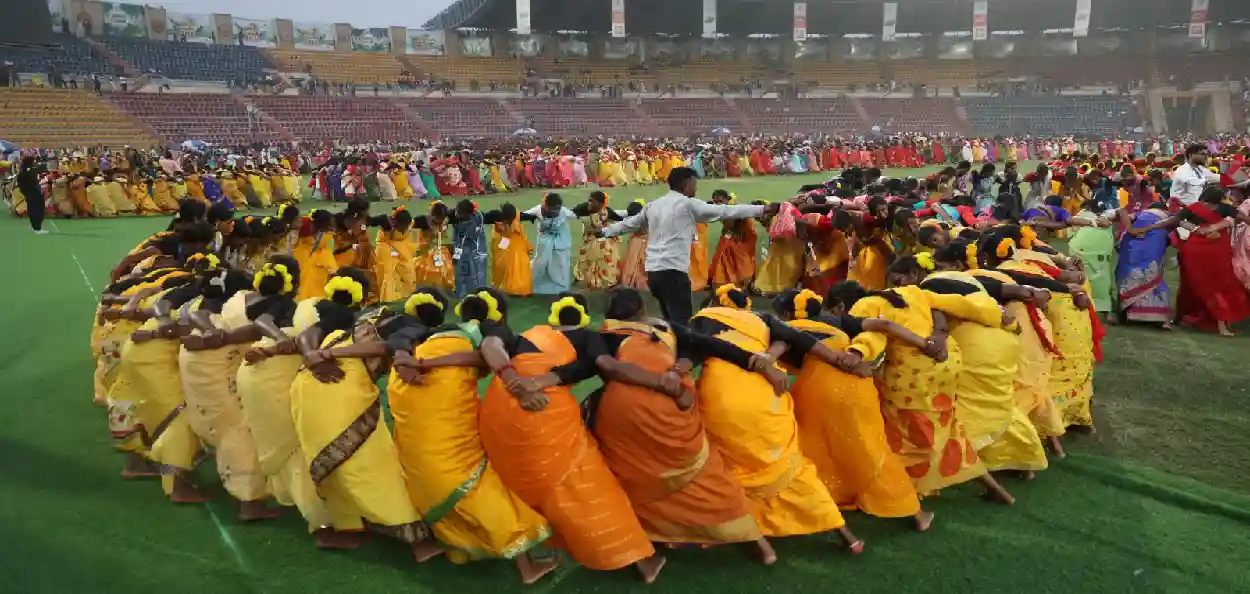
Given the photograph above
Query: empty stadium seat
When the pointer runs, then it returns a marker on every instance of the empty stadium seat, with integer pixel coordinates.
(801, 116)
(580, 117)
(928, 115)
(57, 118)
(464, 116)
(350, 119)
(678, 117)
(73, 56)
(191, 61)
(336, 67)
(1051, 115)
(218, 119)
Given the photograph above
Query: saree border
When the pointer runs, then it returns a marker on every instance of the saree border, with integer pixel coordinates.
(341, 448)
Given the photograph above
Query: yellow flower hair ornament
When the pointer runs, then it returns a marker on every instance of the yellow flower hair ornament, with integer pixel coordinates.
(211, 260)
(248, 220)
(265, 221)
(492, 305)
(275, 270)
(398, 209)
(801, 301)
(724, 300)
(347, 284)
(419, 299)
(563, 304)
(1028, 237)
(925, 260)
(1003, 249)
(282, 209)
(970, 257)
(640, 201)
(733, 198)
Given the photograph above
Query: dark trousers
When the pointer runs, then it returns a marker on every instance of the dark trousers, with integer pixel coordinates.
(672, 289)
(34, 206)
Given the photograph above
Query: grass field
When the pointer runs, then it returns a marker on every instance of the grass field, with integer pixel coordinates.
(1156, 502)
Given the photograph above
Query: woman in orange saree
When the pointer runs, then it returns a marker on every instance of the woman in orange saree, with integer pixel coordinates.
(839, 413)
(734, 260)
(698, 258)
(679, 486)
(532, 430)
(352, 245)
(749, 417)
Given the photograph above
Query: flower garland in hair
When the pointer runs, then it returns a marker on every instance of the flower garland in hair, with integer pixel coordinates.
(276, 270)
(970, 257)
(211, 260)
(1004, 247)
(283, 208)
(640, 201)
(801, 301)
(925, 261)
(398, 209)
(348, 284)
(724, 300)
(492, 305)
(419, 299)
(1028, 237)
(566, 303)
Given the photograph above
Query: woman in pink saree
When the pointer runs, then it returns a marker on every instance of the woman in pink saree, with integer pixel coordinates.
(1241, 245)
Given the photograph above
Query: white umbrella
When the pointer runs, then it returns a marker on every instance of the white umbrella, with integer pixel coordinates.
(721, 131)
(525, 132)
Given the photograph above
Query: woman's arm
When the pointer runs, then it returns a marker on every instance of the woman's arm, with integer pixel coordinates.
(895, 331)
(358, 351)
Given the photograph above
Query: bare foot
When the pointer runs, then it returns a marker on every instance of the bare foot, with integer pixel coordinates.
(924, 520)
(331, 539)
(1168, 326)
(854, 545)
(1027, 475)
(255, 511)
(185, 491)
(1087, 430)
(767, 555)
(533, 570)
(995, 491)
(138, 467)
(1224, 331)
(650, 567)
(1056, 448)
(425, 550)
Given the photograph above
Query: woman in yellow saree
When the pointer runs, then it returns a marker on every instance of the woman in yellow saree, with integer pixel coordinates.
(597, 266)
(531, 428)
(399, 176)
(101, 202)
(263, 186)
(393, 257)
(782, 266)
(699, 268)
(433, 263)
(161, 195)
(117, 195)
(314, 250)
(450, 481)
(749, 417)
(137, 194)
(873, 250)
(338, 416)
(510, 255)
(918, 386)
(839, 412)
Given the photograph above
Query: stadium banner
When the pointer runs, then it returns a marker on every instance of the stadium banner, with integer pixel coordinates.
(709, 18)
(375, 40)
(817, 49)
(980, 20)
(620, 49)
(889, 21)
(56, 10)
(1080, 27)
(573, 48)
(418, 42)
(525, 46)
(124, 20)
(1198, 18)
(618, 18)
(476, 47)
(717, 49)
(859, 49)
(523, 17)
(800, 21)
(196, 28)
(255, 32)
(317, 37)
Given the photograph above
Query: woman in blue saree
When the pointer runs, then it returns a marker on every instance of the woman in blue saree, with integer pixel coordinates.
(1139, 271)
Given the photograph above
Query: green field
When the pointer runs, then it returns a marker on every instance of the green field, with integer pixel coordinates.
(1158, 501)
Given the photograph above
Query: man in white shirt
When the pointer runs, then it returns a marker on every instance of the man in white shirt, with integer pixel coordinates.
(1190, 179)
(670, 223)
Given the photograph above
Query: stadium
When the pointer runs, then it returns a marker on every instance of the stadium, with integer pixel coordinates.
(1081, 161)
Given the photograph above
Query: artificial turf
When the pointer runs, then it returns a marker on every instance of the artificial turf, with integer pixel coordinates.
(1155, 502)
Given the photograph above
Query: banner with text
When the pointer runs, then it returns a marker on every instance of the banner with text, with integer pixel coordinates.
(1198, 18)
(418, 42)
(318, 37)
(523, 17)
(196, 28)
(618, 18)
(124, 20)
(800, 21)
(709, 18)
(254, 32)
(1080, 27)
(376, 40)
(980, 20)
(889, 21)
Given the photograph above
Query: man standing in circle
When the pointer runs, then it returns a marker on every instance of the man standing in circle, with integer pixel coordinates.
(670, 223)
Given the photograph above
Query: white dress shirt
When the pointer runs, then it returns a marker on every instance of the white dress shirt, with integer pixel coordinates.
(670, 223)
(1188, 182)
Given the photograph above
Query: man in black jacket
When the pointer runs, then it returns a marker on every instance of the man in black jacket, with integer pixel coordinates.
(28, 183)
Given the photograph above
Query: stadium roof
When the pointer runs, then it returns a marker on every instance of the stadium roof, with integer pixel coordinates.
(830, 17)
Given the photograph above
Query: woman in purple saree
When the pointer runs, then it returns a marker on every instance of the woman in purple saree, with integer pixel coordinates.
(1139, 271)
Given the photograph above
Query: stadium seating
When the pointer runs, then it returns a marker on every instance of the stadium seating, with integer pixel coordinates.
(73, 57)
(580, 117)
(219, 119)
(463, 71)
(929, 115)
(827, 75)
(350, 119)
(690, 116)
(465, 117)
(1200, 68)
(943, 73)
(707, 73)
(1051, 115)
(191, 61)
(51, 118)
(1082, 71)
(801, 116)
(597, 72)
(338, 67)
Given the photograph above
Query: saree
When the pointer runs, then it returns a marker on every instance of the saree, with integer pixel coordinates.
(349, 453)
(451, 483)
(918, 396)
(868, 268)
(432, 262)
(1096, 247)
(783, 267)
(734, 260)
(678, 484)
(756, 432)
(551, 462)
(1241, 248)
(315, 254)
(1143, 292)
(213, 409)
(1210, 291)
(550, 265)
(1072, 373)
(510, 259)
(597, 265)
(698, 258)
(393, 266)
(842, 432)
(828, 259)
(264, 390)
(633, 264)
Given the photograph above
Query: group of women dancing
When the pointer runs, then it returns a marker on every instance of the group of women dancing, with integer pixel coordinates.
(960, 365)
